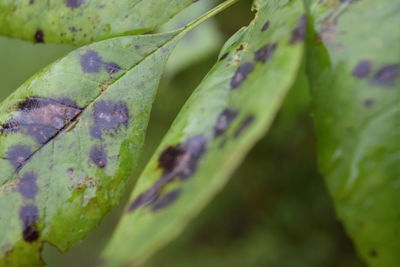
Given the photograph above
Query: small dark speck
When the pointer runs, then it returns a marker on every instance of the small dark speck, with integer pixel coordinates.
(244, 125)
(241, 74)
(74, 3)
(99, 156)
(91, 62)
(369, 103)
(224, 56)
(27, 185)
(362, 70)
(224, 120)
(29, 214)
(264, 53)
(31, 2)
(299, 33)
(265, 26)
(112, 67)
(387, 75)
(166, 200)
(39, 36)
(373, 253)
(73, 29)
(138, 46)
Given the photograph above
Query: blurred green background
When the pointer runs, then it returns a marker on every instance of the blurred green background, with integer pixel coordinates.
(274, 212)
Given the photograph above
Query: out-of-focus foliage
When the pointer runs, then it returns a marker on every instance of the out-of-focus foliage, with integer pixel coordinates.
(83, 21)
(354, 69)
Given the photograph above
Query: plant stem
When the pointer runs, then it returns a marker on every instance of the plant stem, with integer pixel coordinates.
(207, 15)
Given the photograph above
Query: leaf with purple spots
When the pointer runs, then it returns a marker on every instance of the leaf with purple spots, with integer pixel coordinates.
(83, 21)
(355, 70)
(69, 138)
(227, 114)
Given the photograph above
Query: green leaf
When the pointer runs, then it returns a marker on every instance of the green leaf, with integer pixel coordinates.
(83, 21)
(69, 138)
(354, 65)
(227, 114)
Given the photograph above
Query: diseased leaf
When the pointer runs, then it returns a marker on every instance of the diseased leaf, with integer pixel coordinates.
(230, 110)
(69, 138)
(83, 21)
(354, 65)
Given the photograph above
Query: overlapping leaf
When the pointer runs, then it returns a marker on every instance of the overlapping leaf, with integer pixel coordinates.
(354, 65)
(69, 138)
(83, 21)
(230, 110)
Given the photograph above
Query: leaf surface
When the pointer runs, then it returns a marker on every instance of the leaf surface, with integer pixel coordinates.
(230, 110)
(354, 65)
(83, 21)
(69, 138)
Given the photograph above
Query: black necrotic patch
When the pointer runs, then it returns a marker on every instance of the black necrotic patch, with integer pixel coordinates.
(41, 118)
(91, 62)
(29, 214)
(177, 162)
(387, 75)
(224, 121)
(362, 70)
(265, 26)
(244, 125)
(39, 36)
(299, 33)
(166, 200)
(98, 156)
(74, 3)
(27, 185)
(224, 56)
(241, 74)
(17, 155)
(108, 117)
(264, 53)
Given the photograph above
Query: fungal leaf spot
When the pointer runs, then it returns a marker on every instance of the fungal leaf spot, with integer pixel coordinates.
(264, 53)
(41, 118)
(299, 33)
(27, 186)
(108, 117)
(224, 120)
(29, 214)
(241, 74)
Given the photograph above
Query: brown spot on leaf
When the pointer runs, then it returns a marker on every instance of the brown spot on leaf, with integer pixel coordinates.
(166, 200)
(17, 155)
(178, 161)
(27, 185)
(99, 156)
(224, 120)
(244, 125)
(108, 117)
(368, 103)
(264, 53)
(373, 253)
(387, 75)
(39, 36)
(241, 74)
(29, 215)
(362, 70)
(299, 33)
(41, 118)
(74, 3)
